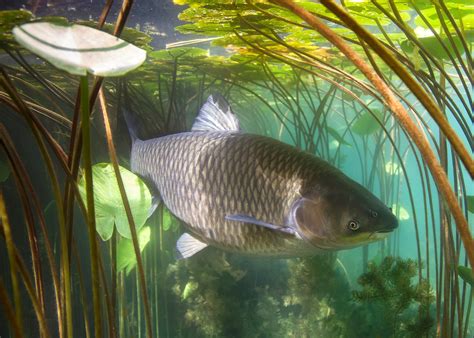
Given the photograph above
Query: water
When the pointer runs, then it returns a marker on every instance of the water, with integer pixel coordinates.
(284, 81)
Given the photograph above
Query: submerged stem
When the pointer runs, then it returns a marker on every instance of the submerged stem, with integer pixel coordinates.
(141, 273)
(11, 258)
(91, 226)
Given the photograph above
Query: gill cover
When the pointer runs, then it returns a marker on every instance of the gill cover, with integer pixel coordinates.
(310, 219)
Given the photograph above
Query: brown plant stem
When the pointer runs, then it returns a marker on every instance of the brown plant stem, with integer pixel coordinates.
(25, 278)
(39, 133)
(397, 109)
(9, 312)
(6, 229)
(131, 222)
(25, 188)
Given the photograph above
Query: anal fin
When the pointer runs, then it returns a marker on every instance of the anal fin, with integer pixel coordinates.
(187, 245)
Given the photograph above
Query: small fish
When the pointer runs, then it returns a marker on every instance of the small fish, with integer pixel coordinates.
(253, 194)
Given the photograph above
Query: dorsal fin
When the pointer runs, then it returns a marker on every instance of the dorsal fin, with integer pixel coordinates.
(216, 115)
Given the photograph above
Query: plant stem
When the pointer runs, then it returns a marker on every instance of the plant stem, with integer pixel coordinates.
(141, 273)
(91, 226)
(11, 258)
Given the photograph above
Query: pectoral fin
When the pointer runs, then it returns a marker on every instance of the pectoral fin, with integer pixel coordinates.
(187, 246)
(253, 220)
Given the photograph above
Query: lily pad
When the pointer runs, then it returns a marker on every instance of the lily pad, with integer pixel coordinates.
(8, 20)
(109, 209)
(366, 124)
(80, 49)
(434, 46)
(466, 274)
(126, 259)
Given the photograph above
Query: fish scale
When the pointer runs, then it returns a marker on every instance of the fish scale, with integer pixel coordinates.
(189, 169)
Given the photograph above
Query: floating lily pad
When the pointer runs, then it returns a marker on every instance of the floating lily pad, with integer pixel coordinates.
(434, 46)
(8, 20)
(126, 259)
(80, 49)
(466, 274)
(109, 209)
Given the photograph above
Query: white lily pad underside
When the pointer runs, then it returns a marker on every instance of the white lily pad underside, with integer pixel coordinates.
(79, 49)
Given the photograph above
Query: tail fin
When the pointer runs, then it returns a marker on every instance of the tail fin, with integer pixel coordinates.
(130, 119)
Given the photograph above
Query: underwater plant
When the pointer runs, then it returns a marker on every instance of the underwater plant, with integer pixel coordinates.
(293, 70)
(391, 305)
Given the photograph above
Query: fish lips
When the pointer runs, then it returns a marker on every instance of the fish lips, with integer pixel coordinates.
(386, 229)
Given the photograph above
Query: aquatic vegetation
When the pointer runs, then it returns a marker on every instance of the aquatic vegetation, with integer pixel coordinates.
(126, 259)
(286, 81)
(109, 210)
(392, 305)
(466, 274)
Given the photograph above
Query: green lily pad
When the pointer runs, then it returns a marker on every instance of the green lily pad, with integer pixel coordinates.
(466, 274)
(434, 46)
(366, 124)
(8, 20)
(126, 259)
(80, 49)
(109, 209)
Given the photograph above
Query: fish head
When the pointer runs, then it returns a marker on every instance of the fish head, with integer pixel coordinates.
(342, 217)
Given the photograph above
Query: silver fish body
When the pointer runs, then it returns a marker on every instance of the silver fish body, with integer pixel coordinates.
(209, 179)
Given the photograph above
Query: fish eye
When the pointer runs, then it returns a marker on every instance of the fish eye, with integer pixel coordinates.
(354, 225)
(373, 213)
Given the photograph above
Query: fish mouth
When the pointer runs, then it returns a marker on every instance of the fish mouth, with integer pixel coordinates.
(379, 234)
(384, 231)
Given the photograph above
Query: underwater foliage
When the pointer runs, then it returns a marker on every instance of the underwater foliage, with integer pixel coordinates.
(392, 304)
(109, 211)
(230, 296)
(285, 79)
